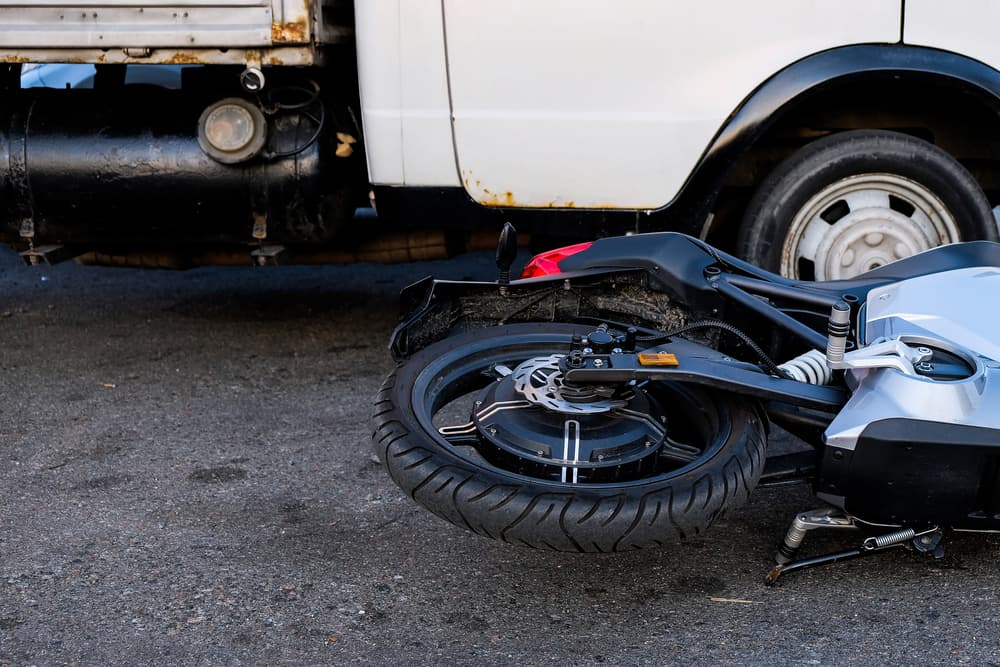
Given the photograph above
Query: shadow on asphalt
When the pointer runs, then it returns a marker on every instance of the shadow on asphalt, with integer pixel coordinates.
(186, 478)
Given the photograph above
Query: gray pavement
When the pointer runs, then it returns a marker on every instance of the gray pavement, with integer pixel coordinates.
(185, 479)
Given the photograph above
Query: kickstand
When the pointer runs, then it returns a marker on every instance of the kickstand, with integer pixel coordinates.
(826, 559)
(926, 541)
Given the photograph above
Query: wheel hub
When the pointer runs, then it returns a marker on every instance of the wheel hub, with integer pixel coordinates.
(867, 239)
(862, 222)
(527, 421)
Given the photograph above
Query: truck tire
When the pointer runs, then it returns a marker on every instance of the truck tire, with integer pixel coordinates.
(853, 201)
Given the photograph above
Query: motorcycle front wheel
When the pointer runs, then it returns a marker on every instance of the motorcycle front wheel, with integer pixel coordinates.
(653, 464)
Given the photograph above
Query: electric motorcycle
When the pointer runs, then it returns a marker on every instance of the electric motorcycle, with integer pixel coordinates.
(620, 394)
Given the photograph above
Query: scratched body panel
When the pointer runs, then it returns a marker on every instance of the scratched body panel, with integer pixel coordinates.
(156, 24)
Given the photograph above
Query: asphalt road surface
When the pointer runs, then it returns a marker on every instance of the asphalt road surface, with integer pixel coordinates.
(185, 479)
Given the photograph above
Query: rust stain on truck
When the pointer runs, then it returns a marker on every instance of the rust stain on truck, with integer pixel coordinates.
(499, 198)
(184, 59)
(291, 32)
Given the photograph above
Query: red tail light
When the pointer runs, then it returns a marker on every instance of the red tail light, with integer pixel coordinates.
(547, 263)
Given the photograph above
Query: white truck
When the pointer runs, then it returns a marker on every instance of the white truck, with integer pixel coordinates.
(818, 139)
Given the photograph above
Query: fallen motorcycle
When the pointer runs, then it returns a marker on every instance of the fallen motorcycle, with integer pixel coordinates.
(620, 394)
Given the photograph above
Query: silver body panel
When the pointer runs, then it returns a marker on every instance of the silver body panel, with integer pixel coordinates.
(953, 310)
(258, 32)
(959, 306)
(120, 24)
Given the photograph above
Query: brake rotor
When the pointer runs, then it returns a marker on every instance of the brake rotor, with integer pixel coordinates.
(540, 381)
(531, 421)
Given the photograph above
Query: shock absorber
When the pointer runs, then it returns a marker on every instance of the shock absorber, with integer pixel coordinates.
(814, 366)
(809, 367)
(838, 328)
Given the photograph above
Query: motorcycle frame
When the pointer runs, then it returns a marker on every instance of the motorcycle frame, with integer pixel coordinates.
(885, 468)
(706, 284)
(701, 280)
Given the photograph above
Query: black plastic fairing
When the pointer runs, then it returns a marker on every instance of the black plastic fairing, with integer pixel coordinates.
(431, 304)
(936, 260)
(913, 472)
(676, 263)
(679, 262)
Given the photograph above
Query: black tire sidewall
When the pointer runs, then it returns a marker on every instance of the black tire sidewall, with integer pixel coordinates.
(701, 493)
(790, 186)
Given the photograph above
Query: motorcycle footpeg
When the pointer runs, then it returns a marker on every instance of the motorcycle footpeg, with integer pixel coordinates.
(804, 522)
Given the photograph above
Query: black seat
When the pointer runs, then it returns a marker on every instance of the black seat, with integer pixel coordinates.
(942, 258)
(676, 257)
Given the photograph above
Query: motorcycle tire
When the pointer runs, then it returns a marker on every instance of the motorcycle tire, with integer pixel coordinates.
(458, 484)
(856, 200)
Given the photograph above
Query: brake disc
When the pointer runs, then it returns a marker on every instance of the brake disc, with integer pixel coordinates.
(540, 381)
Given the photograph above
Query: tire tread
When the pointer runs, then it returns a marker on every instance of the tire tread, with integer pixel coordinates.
(587, 521)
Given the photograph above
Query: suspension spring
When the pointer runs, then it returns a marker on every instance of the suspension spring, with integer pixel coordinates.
(890, 539)
(809, 367)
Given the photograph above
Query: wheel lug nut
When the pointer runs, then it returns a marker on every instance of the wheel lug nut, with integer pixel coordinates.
(847, 258)
(900, 251)
(874, 238)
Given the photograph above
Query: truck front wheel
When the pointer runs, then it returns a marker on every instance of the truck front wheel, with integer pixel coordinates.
(853, 201)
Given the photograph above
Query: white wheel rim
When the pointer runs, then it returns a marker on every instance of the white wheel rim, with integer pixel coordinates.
(862, 222)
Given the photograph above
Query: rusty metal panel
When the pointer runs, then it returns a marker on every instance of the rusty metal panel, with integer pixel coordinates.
(55, 24)
(289, 55)
(291, 21)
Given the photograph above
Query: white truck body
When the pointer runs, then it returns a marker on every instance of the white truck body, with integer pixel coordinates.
(559, 103)
(572, 105)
